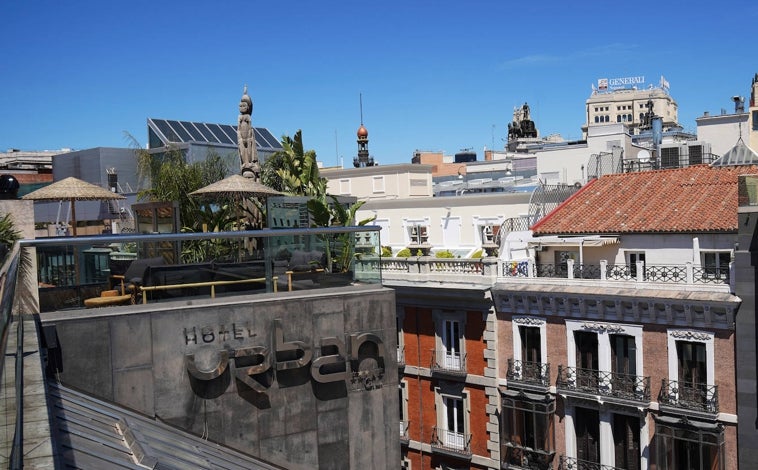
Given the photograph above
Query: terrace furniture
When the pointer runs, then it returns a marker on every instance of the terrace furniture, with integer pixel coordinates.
(108, 298)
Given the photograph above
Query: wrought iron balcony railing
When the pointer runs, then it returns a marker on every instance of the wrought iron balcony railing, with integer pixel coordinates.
(572, 463)
(687, 273)
(609, 384)
(688, 396)
(451, 442)
(447, 362)
(526, 458)
(530, 373)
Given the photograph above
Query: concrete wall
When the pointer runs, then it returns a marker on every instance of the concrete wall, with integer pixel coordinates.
(265, 399)
(746, 333)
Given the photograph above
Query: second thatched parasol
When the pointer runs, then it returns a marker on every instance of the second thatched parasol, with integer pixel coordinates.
(72, 189)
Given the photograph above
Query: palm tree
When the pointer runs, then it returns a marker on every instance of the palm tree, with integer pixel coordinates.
(8, 235)
(293, 170)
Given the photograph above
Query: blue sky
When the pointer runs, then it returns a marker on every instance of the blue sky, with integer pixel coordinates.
(434, 75)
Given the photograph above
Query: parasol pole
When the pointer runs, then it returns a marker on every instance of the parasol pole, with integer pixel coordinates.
(73, 216)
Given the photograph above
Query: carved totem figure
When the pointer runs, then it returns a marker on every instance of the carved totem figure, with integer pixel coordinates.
(246, 139)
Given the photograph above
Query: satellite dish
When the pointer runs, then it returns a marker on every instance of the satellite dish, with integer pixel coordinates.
(643, 156)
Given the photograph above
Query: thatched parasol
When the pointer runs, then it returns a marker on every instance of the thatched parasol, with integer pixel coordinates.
(236, 186)
(72, 189)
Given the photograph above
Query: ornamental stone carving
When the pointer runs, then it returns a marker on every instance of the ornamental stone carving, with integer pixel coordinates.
(603, 327)
(691, 335)
(529, 321)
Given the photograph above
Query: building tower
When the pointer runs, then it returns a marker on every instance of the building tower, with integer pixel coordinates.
(363, 159)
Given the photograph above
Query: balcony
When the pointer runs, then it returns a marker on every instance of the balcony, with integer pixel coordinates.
(529, 375)
(695, 399)
(571, 463)
(526, 458)
(451, 443)
(404, 438)
(449, 364)
(687, 273)
(590, 383)
(428, 269)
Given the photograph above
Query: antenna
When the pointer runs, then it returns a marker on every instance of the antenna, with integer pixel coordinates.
(360, 98)
(336, 147)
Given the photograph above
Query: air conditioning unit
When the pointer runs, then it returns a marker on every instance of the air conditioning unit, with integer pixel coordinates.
(671, 154)
(699, 152)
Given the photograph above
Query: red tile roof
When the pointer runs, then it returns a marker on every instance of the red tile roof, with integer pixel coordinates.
(694, 199)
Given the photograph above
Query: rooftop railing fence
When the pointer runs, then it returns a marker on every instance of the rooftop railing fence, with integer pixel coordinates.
(78, 272)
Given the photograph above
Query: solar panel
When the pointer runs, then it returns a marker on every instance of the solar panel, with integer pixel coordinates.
(186, 131)
(260, 140)
(230, 131)
(220, 135)
(190, 127)
(270, 137)
(206, 132)
(166, 130)
(183, 135)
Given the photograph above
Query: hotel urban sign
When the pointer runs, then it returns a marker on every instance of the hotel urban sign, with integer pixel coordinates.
(358, 360)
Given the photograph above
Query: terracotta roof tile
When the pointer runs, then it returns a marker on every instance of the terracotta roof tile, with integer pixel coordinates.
(694, 199)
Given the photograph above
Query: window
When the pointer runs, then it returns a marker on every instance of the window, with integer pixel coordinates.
(626, 441)
(693, 448)
(451, 345)
(691, 370)
(634, 257)
(586, 360)
(624, 364)
(452, 417)
(344, 186)
(417, 233)
(528, 433)
(378, 183)
(450, 354)
(587, 431)
(529, 344)
(716, 264)
(755, 120)
(400, 340)
(403, 395)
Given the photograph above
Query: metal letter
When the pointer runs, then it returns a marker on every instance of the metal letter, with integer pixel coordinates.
(209, 374)
(261, 359)
(338, 358)
(289, 348)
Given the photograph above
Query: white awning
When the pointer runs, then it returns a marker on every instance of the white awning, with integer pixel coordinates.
(594, 240)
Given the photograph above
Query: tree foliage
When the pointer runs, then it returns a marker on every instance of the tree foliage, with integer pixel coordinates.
(169, 177)
(293, 170)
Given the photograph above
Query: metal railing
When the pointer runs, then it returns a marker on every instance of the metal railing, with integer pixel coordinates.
(572, 463)
(204, 264)
(530, 373)
(453, 363)
(527, 458)
(454, 442)
(687, 273)
(12, 401)
(694, 397)
(609, 384)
